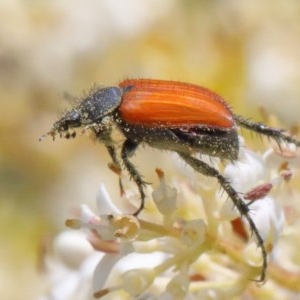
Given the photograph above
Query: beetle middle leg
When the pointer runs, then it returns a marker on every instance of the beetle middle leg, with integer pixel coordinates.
(243, 209)
(127, 151)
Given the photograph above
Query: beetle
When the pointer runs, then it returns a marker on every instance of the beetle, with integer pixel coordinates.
(169, 115)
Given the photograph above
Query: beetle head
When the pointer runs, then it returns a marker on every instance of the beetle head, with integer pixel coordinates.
(90, 112)
(71, 119)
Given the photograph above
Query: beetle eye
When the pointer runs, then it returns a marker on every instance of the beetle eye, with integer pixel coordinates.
(73, 119)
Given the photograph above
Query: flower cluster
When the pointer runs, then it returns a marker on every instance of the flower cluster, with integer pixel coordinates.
(189, 242)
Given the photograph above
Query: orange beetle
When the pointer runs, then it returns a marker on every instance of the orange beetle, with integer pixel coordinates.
(169, 115)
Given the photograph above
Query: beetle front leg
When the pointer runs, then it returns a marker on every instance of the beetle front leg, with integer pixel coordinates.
(113, 155)
(111, 149)
(103, 134)
(127, 151)
(243, 209)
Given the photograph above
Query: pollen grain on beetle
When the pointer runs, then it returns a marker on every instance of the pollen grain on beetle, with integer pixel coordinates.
(187, 235)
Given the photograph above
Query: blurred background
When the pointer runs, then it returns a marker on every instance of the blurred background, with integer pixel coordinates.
(247, 51)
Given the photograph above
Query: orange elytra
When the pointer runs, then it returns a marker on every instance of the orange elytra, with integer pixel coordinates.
(160, 103)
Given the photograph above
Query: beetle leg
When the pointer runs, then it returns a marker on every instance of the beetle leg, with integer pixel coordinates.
(127, 151)
(113, 154)
(243, 209)
(103, 134)
(274, 133)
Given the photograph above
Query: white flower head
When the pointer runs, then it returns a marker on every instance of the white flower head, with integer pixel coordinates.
(171, 254)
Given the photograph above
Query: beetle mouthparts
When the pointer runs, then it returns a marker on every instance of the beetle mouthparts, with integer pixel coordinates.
(51, 133)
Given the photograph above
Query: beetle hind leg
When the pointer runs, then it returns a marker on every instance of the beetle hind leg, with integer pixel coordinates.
(277, 134)
(127, 151)
(243, 209)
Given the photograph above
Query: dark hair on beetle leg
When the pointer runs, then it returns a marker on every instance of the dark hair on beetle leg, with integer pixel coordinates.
(127, 151)
(243, 208)
(262, 129)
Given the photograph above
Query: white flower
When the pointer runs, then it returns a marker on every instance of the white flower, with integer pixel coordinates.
(247, 172)
(164, 197)
(193, 232)
(265, 211)
(136, 281)
(70, 267)
(171, 254)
